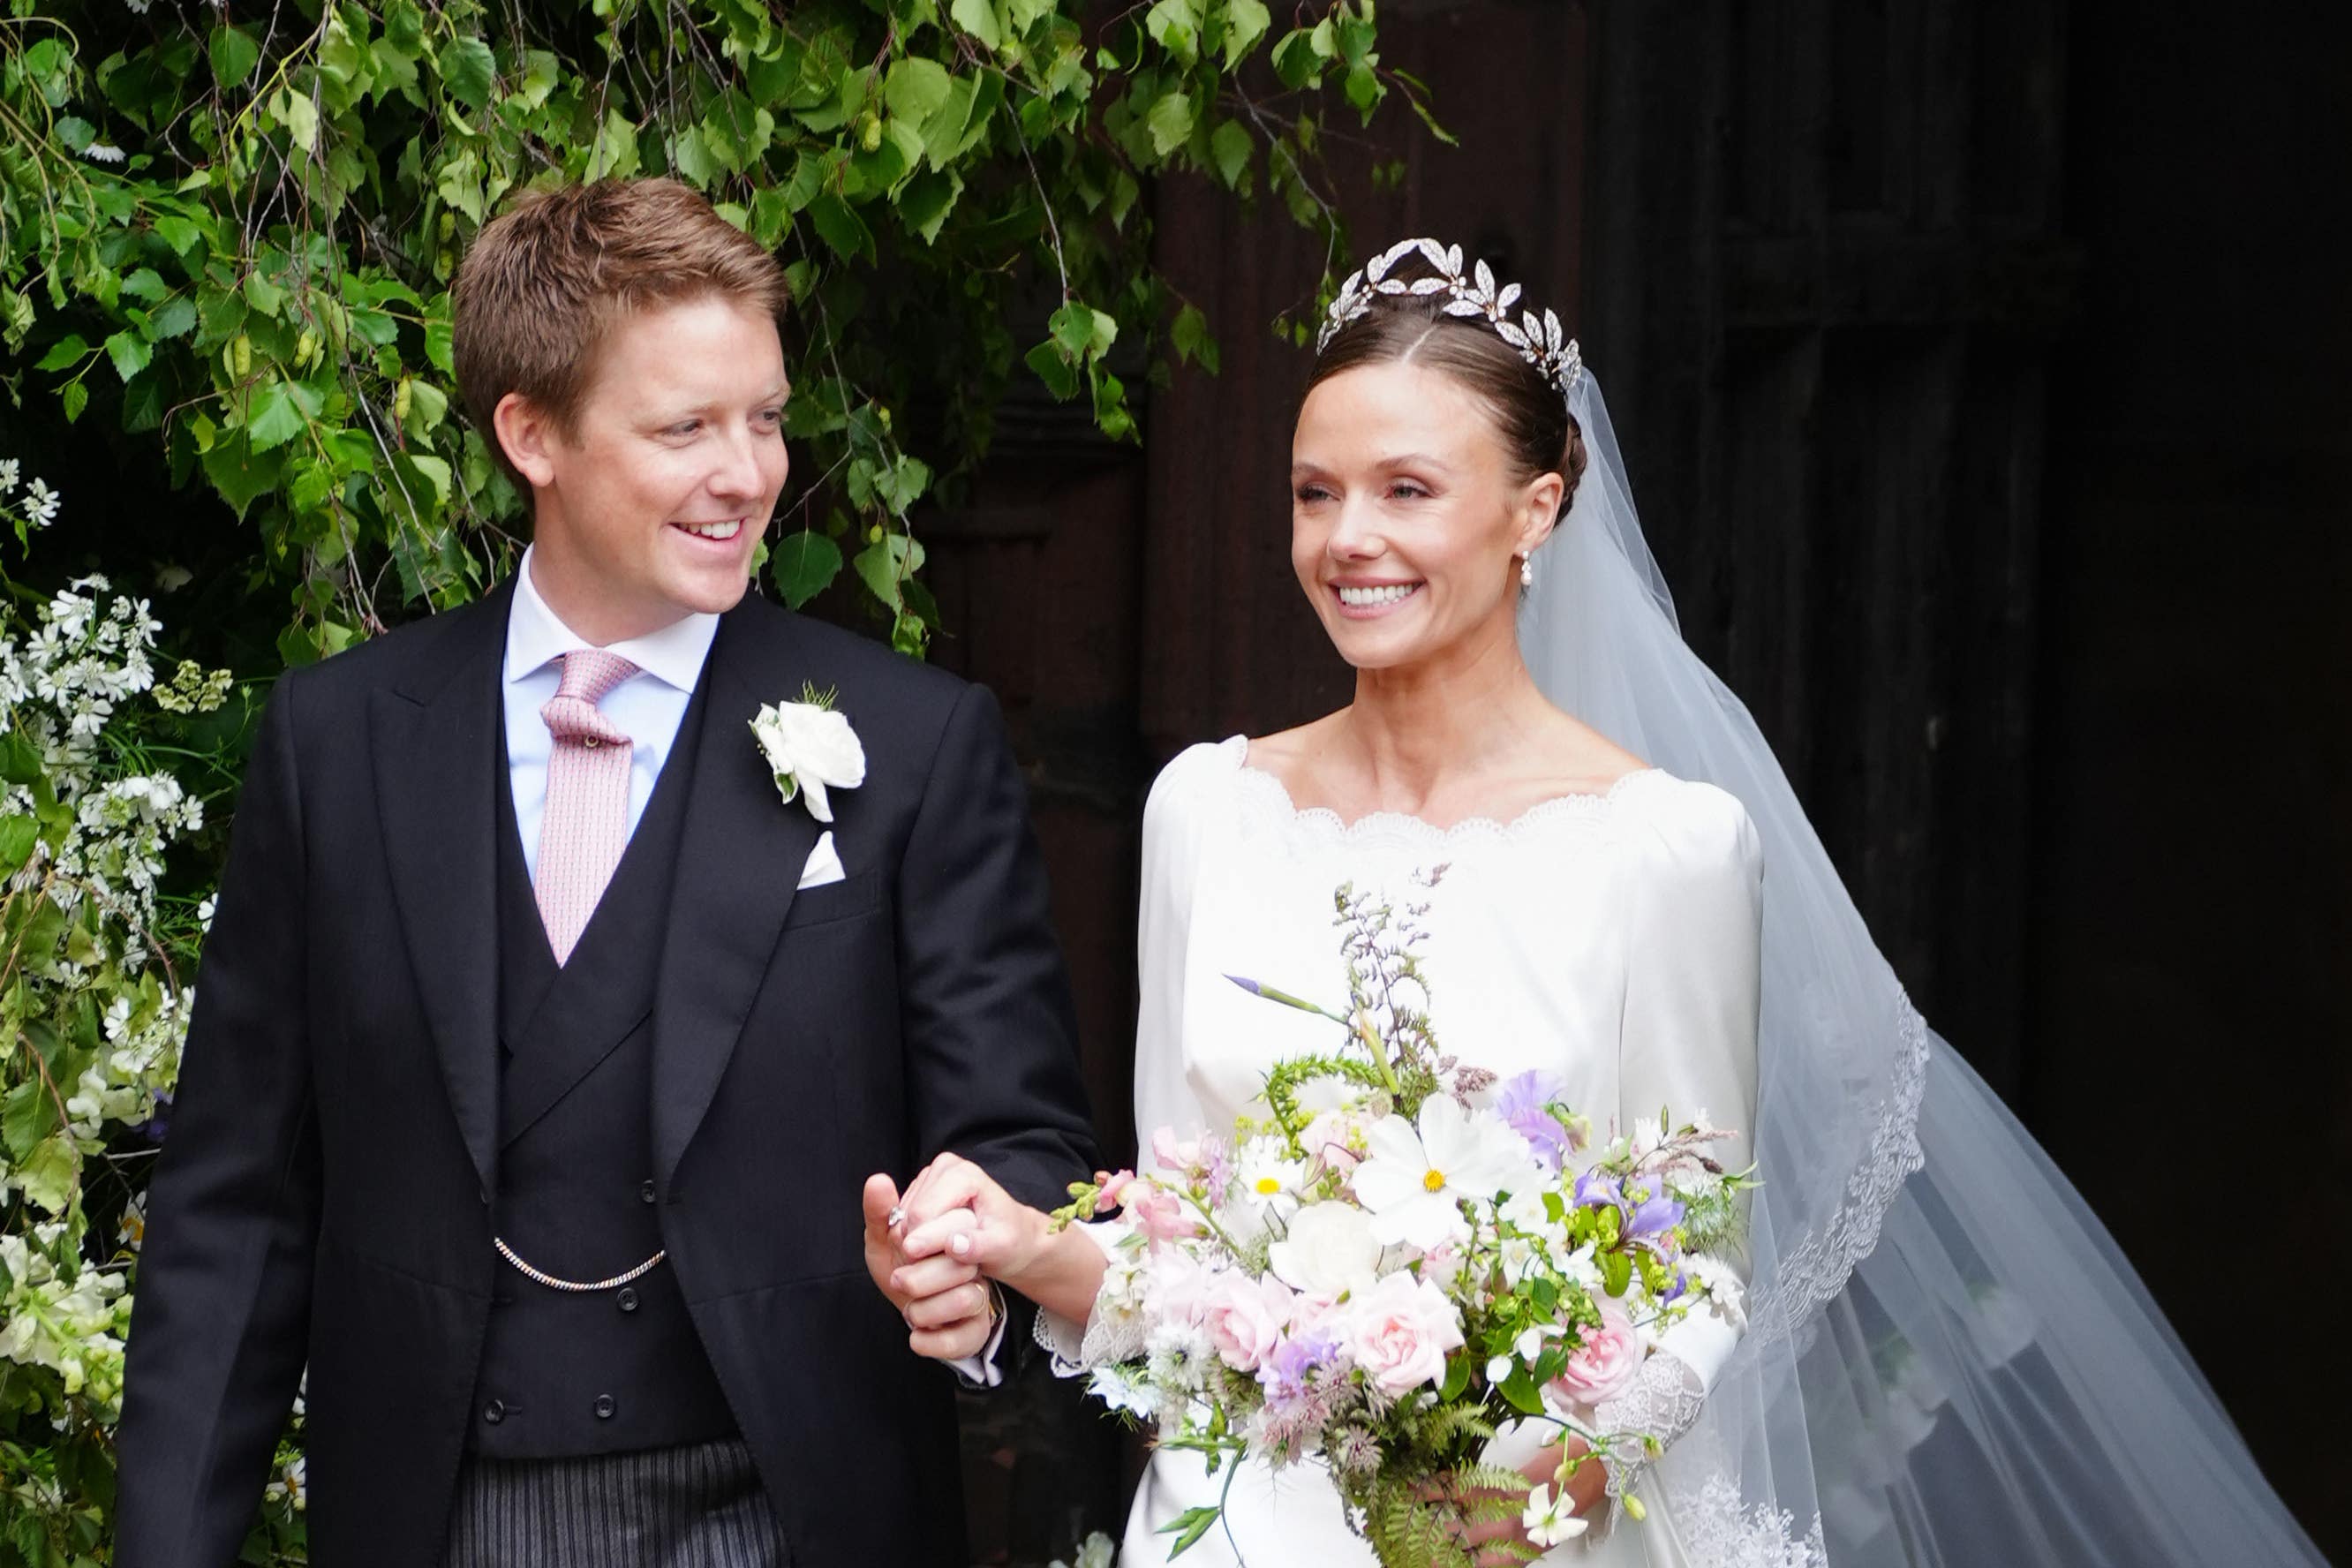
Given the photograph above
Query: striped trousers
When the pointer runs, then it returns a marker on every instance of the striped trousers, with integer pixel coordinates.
(695, 1507)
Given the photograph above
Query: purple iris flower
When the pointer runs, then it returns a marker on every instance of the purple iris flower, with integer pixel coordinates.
(1655, 1215)
(1595, 1190)
(1652, 1218)
(1525, 1104)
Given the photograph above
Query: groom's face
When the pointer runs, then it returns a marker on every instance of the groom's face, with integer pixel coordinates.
(650, 507)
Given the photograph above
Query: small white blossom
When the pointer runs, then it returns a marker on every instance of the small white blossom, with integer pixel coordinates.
(1099, 1551)
(1179, 1354)
(1267, 1178)
(1726, 1296)
(291, 1485)
(1550, 1521)
(1120, 1388)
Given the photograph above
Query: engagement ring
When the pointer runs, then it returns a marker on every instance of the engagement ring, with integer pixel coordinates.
(894, 1218)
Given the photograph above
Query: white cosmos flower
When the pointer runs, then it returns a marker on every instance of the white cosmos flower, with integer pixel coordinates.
(1414, 1180)
(811, 749)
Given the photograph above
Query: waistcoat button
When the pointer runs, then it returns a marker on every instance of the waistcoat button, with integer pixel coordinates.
(646, 1192)
(494, 1412)
(604, 1407)
(628, 1299)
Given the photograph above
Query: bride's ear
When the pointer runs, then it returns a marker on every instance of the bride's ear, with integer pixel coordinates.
(1539, 509)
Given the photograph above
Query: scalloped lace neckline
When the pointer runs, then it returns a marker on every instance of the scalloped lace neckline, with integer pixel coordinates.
(1321, 822)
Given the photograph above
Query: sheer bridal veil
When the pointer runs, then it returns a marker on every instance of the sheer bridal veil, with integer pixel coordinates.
(1948, 1361)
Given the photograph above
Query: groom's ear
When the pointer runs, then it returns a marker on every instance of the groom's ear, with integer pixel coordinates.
(525, 432)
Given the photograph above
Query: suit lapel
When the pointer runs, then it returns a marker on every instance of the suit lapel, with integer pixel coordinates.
(437, 769)
(740, 860)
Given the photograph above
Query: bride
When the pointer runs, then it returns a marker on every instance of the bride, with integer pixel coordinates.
(1943, 1359)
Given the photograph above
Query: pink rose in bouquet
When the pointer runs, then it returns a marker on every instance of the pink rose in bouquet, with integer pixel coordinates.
(1602, 1367)
(1399, 1332)
(1245, 1317)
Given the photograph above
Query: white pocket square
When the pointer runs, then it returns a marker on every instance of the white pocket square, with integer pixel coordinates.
(823, 864)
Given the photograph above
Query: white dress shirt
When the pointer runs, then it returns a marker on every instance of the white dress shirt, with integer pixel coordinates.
(647, 707)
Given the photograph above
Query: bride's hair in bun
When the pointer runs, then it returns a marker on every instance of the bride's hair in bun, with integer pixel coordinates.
(1414, 329)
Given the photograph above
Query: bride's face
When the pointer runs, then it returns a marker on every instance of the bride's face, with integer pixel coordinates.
(1406, 516)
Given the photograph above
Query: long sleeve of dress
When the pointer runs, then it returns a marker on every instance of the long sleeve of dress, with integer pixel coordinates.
(1689, 1045)
(1171, 827)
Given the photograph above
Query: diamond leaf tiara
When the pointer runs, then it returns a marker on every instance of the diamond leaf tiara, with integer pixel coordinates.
(1538, 340)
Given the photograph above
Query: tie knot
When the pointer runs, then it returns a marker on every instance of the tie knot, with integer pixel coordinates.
(589, 674)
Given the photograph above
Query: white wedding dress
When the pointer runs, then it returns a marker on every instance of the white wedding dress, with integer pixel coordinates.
(1610, 938)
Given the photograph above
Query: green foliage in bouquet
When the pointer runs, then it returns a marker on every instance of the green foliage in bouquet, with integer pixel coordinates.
(233, 230)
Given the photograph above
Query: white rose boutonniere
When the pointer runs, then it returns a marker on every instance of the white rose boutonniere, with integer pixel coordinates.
(811, 748)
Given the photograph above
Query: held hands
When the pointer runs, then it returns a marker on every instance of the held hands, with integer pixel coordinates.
(956, 1226)
(950, 1312)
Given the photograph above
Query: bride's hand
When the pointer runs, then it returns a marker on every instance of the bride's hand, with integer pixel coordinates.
(1579, 1495)
(951, 1314)
(957, 1215)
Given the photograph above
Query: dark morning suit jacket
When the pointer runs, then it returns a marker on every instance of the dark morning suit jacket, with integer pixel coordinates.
(329, 1186)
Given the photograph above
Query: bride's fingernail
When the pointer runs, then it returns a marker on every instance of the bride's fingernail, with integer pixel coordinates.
(960, 1245)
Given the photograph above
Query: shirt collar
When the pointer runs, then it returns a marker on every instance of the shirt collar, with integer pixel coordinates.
(535, 634)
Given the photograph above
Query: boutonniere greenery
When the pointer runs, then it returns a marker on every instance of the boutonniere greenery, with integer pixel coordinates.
(811, 749)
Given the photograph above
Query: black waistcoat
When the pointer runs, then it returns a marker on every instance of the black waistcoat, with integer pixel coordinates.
(566, 1374)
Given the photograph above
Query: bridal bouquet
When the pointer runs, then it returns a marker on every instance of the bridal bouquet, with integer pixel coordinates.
(1404, 1255)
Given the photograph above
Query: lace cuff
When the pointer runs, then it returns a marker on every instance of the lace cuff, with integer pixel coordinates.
(1078, 1348)
(1664, 1400)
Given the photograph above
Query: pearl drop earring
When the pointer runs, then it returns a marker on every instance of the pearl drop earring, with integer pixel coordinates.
(1527, 573)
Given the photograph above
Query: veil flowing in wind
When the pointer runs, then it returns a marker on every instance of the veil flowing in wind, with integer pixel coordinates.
(1948, 1360)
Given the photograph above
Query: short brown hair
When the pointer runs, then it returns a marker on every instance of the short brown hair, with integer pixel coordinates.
(1529, 413)
(546, 279)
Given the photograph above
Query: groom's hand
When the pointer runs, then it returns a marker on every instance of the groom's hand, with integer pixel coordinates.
(949, 1310)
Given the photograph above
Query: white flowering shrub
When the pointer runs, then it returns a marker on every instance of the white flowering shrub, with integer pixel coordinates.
(95, 959)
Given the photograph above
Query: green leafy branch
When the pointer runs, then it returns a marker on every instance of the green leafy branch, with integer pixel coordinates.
(238, 234)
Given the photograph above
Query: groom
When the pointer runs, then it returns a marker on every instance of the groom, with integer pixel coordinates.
(543, 1046)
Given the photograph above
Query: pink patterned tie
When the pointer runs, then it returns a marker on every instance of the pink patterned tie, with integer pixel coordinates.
(586, 825)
